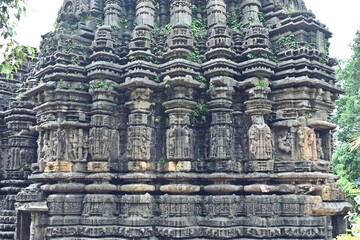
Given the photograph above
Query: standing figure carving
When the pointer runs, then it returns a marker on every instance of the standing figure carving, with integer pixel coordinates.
(220, 142)
(260, 144)
(138, 147)
(179, 142)
(307, 143)
(45, 147)
(319, 148)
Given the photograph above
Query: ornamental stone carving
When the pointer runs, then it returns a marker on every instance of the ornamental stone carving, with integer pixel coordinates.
(260, 140)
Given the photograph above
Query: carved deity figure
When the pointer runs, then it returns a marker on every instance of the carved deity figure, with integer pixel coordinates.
(284, 143)
(99, 143)
(138, 147)
(319, 149)
(54, 139)
(220, 142)
(45, 148)
(307, 143)
(85, 147)
(62, 144)
(260, 144)
(79, 144)
(178, 142)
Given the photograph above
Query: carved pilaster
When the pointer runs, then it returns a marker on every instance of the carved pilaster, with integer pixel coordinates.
(180, 12)
(180, 41)
(139, 133)
(221, 130)
(21, 141)
(113, 12)
(179, 135)
(104, 134)
(259, 134)
(145, 12)
(216, 12)
(250, 11)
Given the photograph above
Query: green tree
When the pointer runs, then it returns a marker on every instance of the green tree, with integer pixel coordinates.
(12, 54)
(346, 157)
(347, 163)
(355, 142)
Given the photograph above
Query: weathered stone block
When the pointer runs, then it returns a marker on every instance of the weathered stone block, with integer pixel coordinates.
(98, 167)
(58, 167)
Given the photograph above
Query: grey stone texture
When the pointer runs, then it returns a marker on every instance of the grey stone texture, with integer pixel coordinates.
(172, 119)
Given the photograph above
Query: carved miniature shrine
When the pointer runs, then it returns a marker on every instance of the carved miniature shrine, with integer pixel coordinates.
(173, 119)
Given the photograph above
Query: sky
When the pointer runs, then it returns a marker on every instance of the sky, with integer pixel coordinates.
(340, 18)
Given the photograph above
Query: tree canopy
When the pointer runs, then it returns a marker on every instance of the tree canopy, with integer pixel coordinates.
(11, 52)
(347, 116)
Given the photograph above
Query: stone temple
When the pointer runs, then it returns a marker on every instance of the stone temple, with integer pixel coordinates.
(172, 119)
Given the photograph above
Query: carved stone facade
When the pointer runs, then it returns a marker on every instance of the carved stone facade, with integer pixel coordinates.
(172, 119)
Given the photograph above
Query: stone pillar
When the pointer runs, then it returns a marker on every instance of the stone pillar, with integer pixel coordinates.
(216, 12)
(103, 135)
(219, 42)
(113, 12)
(141, 42)
(180, 12)
(145, 12)
(250, 9)
(179, 136)
(21, 142)
(259, 133)
(139, 132)
(221, 130)
(180, 41)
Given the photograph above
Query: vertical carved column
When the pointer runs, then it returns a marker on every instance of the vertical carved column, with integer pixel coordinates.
(113, 12)
(139, 133)
(216, 12)
(221, 130)
(180, 12)
(163, 12)
(259, 133)
(21, 142)
(250, 9)
(103, 135)
(145, 12)
(179, 136)
(219, 43)
(180, 41)
(140, 45)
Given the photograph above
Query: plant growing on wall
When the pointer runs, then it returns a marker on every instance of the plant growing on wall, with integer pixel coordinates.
(287, 42)
(200, 78)
(233, 20)
(200, 112)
